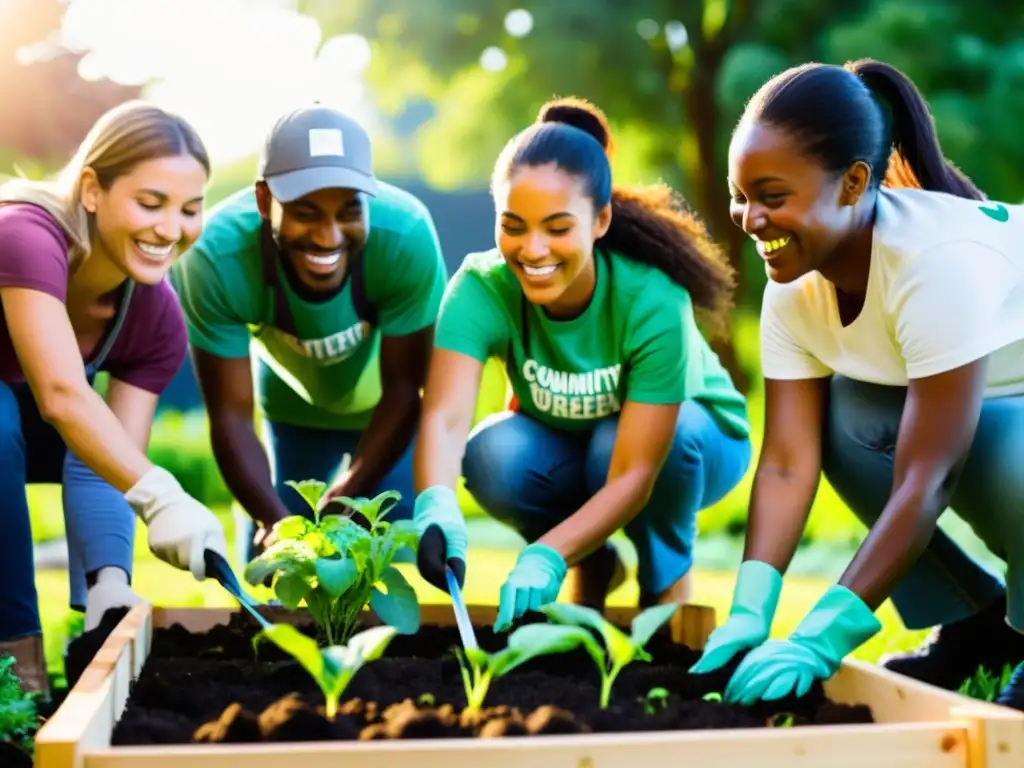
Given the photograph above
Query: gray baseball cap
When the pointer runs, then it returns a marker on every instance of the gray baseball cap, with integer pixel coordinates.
(314, 148)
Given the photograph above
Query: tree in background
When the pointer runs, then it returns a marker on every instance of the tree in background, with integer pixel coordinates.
(47, 107)
(674, 76)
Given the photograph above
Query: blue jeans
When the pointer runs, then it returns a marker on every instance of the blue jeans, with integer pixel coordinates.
(304, 453)
(99, 523)
(945, 584)
(532, 477)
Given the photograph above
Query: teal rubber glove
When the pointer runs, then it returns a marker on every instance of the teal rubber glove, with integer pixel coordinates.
(754, 599)
(837, 625)
(534, 582)
(443, 539)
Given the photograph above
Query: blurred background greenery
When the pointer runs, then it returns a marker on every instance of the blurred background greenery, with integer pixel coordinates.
(442, 86)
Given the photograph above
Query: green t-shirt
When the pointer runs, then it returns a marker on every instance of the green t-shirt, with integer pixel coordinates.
(637, 340)
(328, 373)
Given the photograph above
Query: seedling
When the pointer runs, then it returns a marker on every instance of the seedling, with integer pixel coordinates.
(479, 668)
(984, 685)
(338, 567)
(781, 720)
(332, 668)
(713, 696)
(426, 700)
(620, 649)
(656, 698)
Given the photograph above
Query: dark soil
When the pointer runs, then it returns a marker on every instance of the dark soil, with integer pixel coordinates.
(12, 756)
(212, 688)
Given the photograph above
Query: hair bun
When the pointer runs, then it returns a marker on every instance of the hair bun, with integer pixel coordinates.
(579, 113)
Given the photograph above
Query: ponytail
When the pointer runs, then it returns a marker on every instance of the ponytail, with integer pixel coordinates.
(652, 225)
(915, 144)
(866, 111)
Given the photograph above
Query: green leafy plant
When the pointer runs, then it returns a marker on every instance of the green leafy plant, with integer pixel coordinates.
(619, 649)
(984, 685)
(656, 698)
(19, 716)
(479, 668)
(338, 567)
(332, 668)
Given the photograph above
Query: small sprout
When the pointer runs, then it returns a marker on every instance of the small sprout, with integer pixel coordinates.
(781, 720)
(332, 668)
(655, 696)
(620, 648)
(479, 668)
(713, 696)
(426, 700)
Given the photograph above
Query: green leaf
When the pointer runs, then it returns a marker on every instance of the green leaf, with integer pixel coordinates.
(361, 550)
(302, 647)
(290, 556)
(542, 640)
(335, 575)
(368, 645)
(310, 490)
(650, 621)
(347, 536)
(619, 646)
(293, 527)
(403, 533)
(357, 503)
(379, 505)
(290, 589)
(320, 543)
(372, 509)
(397, 605)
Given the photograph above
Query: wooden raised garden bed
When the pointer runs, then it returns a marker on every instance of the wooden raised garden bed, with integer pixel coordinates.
(901, 722)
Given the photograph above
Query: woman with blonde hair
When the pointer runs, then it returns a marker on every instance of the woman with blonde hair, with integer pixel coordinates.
(83, 262)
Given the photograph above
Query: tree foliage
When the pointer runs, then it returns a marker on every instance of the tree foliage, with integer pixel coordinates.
(674, 76)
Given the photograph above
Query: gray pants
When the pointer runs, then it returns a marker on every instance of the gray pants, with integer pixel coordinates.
(945, 584)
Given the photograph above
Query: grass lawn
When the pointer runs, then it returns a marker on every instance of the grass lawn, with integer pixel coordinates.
(487, 569)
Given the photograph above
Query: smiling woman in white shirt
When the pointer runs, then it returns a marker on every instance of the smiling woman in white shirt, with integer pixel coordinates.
(892, 335)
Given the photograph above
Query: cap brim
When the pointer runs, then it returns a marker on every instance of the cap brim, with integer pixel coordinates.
(287, 187)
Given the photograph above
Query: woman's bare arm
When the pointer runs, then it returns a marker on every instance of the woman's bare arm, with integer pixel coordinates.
(50, 358)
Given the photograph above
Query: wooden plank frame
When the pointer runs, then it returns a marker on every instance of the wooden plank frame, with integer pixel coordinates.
(917, 724)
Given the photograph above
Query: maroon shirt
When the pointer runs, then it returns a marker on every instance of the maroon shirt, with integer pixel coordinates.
(34, 254)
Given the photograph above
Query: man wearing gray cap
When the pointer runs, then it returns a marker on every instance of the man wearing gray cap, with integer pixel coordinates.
(333, 279)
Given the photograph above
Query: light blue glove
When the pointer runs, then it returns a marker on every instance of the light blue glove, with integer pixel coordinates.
(754, 600)
(534, 582)
(443, 539)
(837, 625)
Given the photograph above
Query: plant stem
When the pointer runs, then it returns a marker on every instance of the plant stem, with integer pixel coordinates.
(606, 690)
(606, 685)
(480, 690)
(331, 707)
(467, 685)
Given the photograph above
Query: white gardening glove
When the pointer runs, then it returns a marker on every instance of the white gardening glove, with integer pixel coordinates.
(111, 590)
(180, 528)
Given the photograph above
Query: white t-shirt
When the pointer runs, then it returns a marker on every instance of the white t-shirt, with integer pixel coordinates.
(946, 287)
